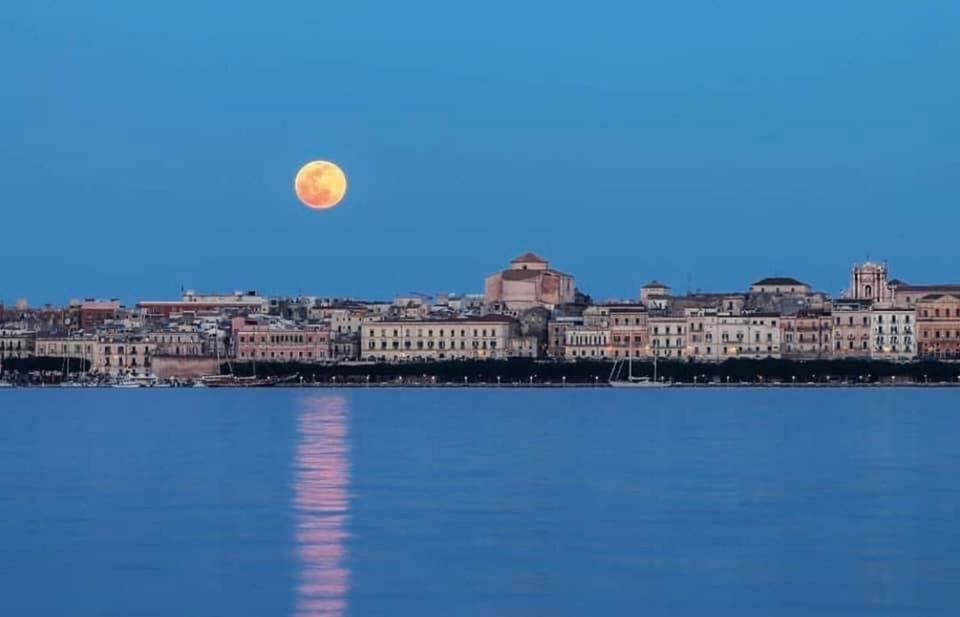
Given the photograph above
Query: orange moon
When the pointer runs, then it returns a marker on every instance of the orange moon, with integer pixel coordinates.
(320, 185)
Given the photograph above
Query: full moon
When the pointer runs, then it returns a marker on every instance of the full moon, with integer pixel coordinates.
(320, 185)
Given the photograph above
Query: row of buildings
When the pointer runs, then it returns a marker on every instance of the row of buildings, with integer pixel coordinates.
(527, 310)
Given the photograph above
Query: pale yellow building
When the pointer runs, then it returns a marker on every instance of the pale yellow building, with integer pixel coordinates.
(588, 343)
(668, 336)
(487, 337)
(722, 336)
(108, 355)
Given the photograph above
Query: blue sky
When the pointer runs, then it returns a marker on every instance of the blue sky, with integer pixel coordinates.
(149, 146)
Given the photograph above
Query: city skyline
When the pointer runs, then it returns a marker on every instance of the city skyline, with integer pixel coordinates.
(687, 286)
(148, 148)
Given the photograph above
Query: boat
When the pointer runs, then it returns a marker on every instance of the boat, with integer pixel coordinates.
(233, 381)
(632, 381)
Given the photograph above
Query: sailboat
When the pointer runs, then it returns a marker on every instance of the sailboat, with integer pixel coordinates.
(233, 381)
(631, 381)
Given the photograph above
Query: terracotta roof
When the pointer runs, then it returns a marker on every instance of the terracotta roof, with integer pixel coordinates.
(520, 275)
(528, 257)
(779, 280)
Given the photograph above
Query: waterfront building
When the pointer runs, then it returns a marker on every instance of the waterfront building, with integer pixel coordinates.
(178, 342)
(527, 282)
(938, 326)
(16, 344)
(806, 335)
(588, 343)
(629, 330)
(668, 336)
(486, 337)
(270, 340)
(344, 347)
(701, 345)
(524, 346)
(115, 354)
(720, 336)
(893, 333)
(557, 335)
(852, 323)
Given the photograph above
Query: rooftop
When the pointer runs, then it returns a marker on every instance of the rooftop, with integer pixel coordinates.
(528, 258)
(944, 288)
(779, 280)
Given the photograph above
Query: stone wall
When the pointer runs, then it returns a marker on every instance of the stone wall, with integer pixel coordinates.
(184, 367)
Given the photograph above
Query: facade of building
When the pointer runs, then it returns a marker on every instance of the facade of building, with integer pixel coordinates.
(668, 337)
(806, 335)
(177, 343)
(120, 354)
(701, 323)
(938, 326)
(908, 296)
(344, 347)
(16, 344)
(588, 343)
(629, 330)
(487, 337)
(852, 327)
(557, 335)
(721, 336)
(894, 334)
(528, 282)
(524, 347)
(261, 341)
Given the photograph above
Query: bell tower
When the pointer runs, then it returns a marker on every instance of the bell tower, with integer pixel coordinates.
(868, 281)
